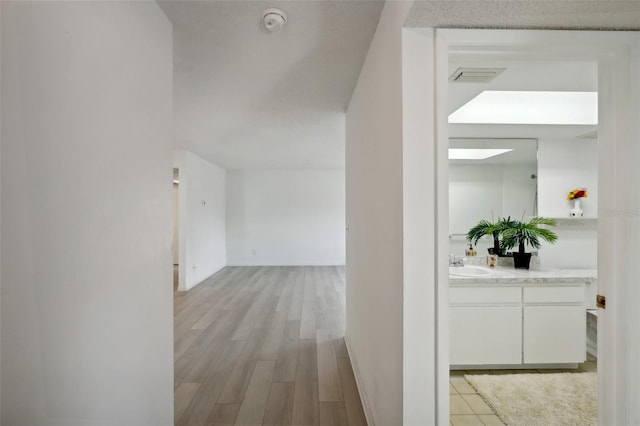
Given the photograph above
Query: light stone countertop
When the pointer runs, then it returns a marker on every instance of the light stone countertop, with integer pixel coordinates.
(505, 274)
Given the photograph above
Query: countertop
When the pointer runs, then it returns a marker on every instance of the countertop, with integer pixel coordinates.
(502, 274)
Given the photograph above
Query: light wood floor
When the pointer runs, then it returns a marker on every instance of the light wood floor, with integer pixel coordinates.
(264, 346)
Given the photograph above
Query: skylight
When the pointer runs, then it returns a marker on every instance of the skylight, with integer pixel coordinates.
(501, 107)
(474, 154)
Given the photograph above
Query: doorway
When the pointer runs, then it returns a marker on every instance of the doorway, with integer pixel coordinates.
(425, 76)
(175, 246)
(518, 143)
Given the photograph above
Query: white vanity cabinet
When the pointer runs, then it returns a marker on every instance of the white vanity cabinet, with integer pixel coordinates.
(514, 324)
(554, 324)
(486, 325)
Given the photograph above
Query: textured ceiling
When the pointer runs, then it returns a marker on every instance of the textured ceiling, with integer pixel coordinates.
(245, 98)
(541, 14)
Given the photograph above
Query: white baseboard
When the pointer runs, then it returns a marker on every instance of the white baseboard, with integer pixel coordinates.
(220, 268)
(263, 262)
(361, 390)
(568, 365)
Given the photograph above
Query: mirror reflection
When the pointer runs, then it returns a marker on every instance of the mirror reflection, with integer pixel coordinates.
(489, 177)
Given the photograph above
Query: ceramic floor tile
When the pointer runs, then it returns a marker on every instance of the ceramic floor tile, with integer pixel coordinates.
(477, 404)
(527, 371)
(467, 408)
(461, 385)
(478, 372)
(498, 372)
(457, 405)
(452, 390)
(491, 420)
(466, 420)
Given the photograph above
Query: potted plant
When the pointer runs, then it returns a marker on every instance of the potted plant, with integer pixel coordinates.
(527, 233)
(495, 229)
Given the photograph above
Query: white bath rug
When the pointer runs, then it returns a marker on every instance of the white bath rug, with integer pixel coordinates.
(540, 399)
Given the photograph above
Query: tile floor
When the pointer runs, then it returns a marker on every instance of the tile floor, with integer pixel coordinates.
(467, 408)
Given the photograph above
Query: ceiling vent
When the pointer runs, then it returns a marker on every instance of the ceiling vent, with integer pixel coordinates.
(474, 75)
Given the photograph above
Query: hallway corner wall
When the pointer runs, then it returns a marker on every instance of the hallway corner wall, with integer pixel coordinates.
(86, 315)
(202, 219)
(374, 328)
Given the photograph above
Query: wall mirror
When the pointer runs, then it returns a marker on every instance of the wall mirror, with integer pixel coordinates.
(489, 175)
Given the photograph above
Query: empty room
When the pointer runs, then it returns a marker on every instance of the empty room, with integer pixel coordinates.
(237, 212)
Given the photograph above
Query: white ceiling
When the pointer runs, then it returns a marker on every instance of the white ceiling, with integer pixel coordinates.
(526, 14)
(538, 75)
(246, 98)
(527, 75)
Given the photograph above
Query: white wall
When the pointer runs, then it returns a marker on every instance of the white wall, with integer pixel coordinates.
(425, 366)
(1, 32)
(87, 334)
(374, 332)
(286, 217)
(175, 246)
(519, 190)
(420, 281)
(564, 165)
(474, 192)
(201, 216)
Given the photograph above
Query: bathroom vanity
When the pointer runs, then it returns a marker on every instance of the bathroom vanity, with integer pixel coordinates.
(508, 318)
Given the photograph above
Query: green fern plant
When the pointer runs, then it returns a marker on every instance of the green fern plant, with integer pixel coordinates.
(495, 229)
(529, 233)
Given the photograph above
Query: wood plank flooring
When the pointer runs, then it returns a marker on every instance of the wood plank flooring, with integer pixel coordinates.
(264, 346)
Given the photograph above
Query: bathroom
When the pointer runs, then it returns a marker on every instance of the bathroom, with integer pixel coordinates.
(521, 161)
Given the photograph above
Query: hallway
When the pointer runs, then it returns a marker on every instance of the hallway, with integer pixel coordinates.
(264, 346)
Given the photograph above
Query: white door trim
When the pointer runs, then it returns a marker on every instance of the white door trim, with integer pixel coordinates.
(425, 143)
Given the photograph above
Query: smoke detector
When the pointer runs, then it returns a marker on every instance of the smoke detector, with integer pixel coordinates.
(274, 20)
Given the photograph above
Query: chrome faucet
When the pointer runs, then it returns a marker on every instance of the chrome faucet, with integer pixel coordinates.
(455, 260)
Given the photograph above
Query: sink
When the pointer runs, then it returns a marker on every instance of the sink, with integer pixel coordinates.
(469, 271)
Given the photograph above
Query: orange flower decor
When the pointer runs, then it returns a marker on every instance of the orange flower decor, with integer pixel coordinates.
(577, 193)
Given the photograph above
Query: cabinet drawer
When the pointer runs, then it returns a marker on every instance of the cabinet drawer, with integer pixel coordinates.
(484, 295)
(553, 294)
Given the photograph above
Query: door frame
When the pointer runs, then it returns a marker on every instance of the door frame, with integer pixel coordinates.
(425, 144)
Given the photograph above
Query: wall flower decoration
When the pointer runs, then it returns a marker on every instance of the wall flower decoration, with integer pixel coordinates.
(575, 196)
(577, 193)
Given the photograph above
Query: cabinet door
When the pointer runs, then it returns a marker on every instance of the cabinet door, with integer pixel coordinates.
(554, 334)
(590, 293)
(486, 335)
